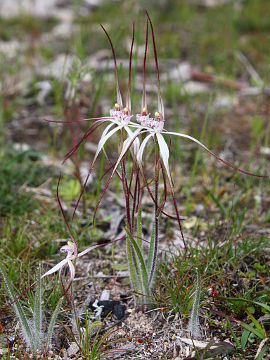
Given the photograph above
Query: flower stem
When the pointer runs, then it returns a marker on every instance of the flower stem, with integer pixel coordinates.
(125, 184)
(157, 212)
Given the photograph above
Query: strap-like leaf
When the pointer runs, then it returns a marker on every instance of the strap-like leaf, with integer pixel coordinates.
(132, 266)
(254, 331)
(151, 251)
(38, 311)
(52, 321)
(256, 323)
(193, 325)
(141, 261)
(19, 312)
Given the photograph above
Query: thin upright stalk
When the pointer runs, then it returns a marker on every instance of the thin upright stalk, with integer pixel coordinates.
(135, 198)
(156, 214)
(126, 190)
(124, 182)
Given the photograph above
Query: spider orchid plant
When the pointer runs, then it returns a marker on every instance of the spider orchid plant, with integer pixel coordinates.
(118, 121)
(71, 249)
(153, 129)
(150, 128)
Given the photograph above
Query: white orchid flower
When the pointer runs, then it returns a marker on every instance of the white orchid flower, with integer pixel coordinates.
(70, 249)
(119, 115)
(119, 122)
(154, 126)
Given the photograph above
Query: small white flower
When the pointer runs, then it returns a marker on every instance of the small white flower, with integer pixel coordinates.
(70, 249)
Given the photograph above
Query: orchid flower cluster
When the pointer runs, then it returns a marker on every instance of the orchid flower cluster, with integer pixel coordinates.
(133, 138)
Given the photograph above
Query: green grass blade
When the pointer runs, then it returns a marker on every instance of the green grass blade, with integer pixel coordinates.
(254, 331)
(244, 338)
(216, 201)
(19, 312)
(194, 326)
(232, 332)
(151, 250)
(262, 305)
(132, 265)
(90, 328)
(141, 264)
(38, 312)
(256, 323)
(52, 321)
(266, 307)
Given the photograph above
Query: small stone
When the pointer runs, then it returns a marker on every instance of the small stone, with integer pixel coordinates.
(73, 349)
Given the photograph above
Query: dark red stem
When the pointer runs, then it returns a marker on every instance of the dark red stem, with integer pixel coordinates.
(66, 221)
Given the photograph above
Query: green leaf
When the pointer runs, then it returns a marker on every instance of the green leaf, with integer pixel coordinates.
(220, 349)
(256, 323)
(244, 338)
(142, 267)
(38, 311)
(267, 307)
(151, 250)
(52, 321)
(254, 331)
(132, 265)
(193, 325)
(120, 267)
(19, 312)
(232, 332)
(260, 268)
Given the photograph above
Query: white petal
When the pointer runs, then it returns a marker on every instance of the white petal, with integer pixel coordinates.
(164, 153)
(72, 270)
(56, 268)
(141, 150)
(107, 128)
(127, 143)
(104, 138)
(136, 143)
(136, 125)
(212, 153)
(189, 137)
(87, 250)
